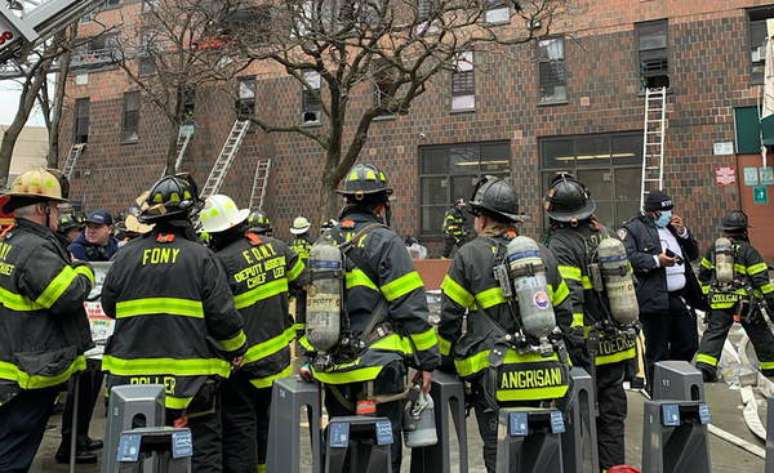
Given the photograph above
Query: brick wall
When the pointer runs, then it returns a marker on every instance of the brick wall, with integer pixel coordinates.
(709, 64)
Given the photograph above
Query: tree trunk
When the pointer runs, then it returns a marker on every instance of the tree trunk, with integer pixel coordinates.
(56, 118)
(26, 102)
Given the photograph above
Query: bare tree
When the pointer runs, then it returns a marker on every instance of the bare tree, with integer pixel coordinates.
(176, 49)
(345, 48)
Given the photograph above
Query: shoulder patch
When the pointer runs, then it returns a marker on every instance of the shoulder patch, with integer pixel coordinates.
(348, 224)
(622, 233)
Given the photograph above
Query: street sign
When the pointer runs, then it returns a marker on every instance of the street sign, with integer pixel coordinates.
(725, 176)
(751, 176)
(761, 195)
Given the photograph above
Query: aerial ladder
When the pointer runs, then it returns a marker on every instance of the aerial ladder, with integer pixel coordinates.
(72, 160)
(260, 183)
(48, 18)
(226, 158)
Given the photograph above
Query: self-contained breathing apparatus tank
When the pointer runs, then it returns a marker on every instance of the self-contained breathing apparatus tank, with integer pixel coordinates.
(724, 261)
(325, 294)
(528, 275)
(618, 279)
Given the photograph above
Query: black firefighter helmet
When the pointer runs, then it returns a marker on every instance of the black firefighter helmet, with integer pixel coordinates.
(568, 200)
(259, 222)
(734, 221)
(496, 197)
(171, 197)
(365, 182)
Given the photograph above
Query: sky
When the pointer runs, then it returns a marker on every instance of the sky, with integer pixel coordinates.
(9, 103)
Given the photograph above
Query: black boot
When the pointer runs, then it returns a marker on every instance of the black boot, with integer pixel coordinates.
(81, 454)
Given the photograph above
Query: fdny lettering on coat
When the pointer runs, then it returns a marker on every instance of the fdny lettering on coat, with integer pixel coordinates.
(168, 382)
(531, 379)
(160, 256)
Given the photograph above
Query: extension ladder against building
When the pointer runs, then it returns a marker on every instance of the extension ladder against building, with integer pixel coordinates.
(72, 160)
(260, 183)
(653, 142)
(184, 137)
(225, 159)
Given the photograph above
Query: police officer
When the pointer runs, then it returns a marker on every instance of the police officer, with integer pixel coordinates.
(573, 238)
(176, 324)
(300, 243)
(382, 289)
(660, 248)
(745, 292)
(261, 271)
(259, 223)
(43, 326)
(454, 228)
(470, 292)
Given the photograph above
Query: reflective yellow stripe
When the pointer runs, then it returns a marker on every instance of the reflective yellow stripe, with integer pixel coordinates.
(706, 359)
(357, 277)
(260, 293)
(532, 394)
(266, 382)
(490, 297)
(757, 268)
(56, 287)
(444, 346)
(271, 346)
(767, 288)
(25, 380)
(577, 319)
(234, 343)
(616, 357)
(17, 302)
(298, 326)
(160, 305)
(393, 342)
(304, 342)
(84, 270)
(160, 366)
(766, 365)
(707, 264)
(402, 286)
(454, 291)
(296, 270)
(355, 376)
(740, 269)
(425, 340)
(572, 273)
(586, 283)
(178, 403)
(480, 361)
(558, 296)
(705, 288)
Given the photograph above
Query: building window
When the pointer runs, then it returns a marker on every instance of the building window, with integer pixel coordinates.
(383, 83)
(448, 172)
(553, 74)
(187, 99)
(245, 105)
(131, 117)
(149, 5)
(609, 165)
(497, 12)
(653, 49)
(81, 121)
(463, 83)
(758, 34)
(424, 9)
(311, 104)
(96, 52)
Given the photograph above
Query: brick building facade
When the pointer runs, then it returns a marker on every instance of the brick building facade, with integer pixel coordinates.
(584, 113)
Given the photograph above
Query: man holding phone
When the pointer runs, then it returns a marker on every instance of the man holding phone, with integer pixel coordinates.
(660, 248)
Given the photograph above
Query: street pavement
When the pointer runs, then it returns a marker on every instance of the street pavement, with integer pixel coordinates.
(725, 405)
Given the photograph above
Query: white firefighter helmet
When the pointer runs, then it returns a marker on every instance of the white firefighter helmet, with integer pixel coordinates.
(300, 226)
(220, 213)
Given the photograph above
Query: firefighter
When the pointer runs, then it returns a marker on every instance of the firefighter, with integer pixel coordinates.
(44, 330)
(176, 324)
(384, 292)
(736, 279)
(471, 293)
(574, 239)
(300, 243)
(261, 272)
(454, 229)
(71, 225)
(259, 223)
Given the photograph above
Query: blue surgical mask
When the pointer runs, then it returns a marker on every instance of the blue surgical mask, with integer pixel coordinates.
(664, 218)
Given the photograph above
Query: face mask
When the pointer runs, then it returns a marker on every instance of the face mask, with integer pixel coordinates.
(664, 218)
